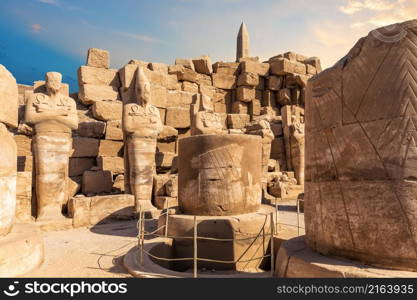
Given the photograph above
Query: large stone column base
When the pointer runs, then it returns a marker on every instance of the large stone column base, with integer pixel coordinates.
(21, 251)
(249, 236)
(295, 259)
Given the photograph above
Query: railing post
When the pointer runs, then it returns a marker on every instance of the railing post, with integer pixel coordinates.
(276, 215)
(195, 248)
(298, 216)
(272, 245)
(166, 218)
(142, 237)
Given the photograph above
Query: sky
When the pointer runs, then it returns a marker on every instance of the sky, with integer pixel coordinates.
(54, 35)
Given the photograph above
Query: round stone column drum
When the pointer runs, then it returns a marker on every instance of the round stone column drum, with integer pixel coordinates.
(220, 175)
(361, 152)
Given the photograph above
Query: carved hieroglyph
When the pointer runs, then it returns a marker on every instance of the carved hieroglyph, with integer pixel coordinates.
(141, 125)
(219, 175)
(361, 153)
(53, 115)
(8, 158)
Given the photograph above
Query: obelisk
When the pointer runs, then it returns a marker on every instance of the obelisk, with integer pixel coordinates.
(242, 49)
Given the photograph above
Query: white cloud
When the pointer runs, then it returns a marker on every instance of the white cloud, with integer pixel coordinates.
(36, 28)
(53, 2)
(367, 13)
(139, 37)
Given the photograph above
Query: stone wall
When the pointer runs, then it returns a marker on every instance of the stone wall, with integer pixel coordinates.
(243, 92)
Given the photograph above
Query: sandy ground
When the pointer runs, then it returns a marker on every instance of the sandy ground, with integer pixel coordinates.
(98, 251)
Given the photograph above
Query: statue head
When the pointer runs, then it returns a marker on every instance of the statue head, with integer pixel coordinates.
(143, 87)
(53, 82)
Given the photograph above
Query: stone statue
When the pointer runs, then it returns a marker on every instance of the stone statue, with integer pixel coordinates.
(54, 116)
(141, 125)
(8, 158)
(205, 120)
(297, 133)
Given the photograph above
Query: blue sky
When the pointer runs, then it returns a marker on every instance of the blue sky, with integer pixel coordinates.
(44, 35)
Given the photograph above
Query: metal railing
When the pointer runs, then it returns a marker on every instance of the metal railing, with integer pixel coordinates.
(142, 233)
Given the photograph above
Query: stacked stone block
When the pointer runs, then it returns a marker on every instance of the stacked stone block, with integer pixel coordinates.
(243, 92)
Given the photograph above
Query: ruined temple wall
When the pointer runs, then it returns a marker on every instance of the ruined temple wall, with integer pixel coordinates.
(242, 92)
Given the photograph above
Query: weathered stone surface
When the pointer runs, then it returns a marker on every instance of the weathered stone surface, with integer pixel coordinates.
(24, 197)
(119, 184)
(24, 163)
(189, 87)
(85, 147)
(171, 187)
(284, 97)
(214, 178)
(245, 94)
(98, 58)
(159, 67)
(24, 145)
(9, 99)
(360, 153)
(187, 63)
(96, 182)
(87, 211)
(226, 68)
(158, 96)
(109, 148)
(74, 185)
(262, 69)
(90, 93)
(114, 130)
(77, 165)
(248, 79)
(178, 117)
(268, 98)
(283, 66)
(91, 128)
(159, 182)
(112, 164)
(164, 160)
(237, 121)
(223, 227)
(255, 107)
(315, 62)
(98, 76)
(162, 202)
(207, 90)
(184, 74)
(168, 134)
(177, 99)
(224, 81)
(166, 147)
(239, 107)
(107, 110)
(203, 65)
(275, 83)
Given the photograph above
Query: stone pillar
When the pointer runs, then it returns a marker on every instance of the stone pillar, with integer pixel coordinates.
(220, 175)
(361, 153)
(242, 48)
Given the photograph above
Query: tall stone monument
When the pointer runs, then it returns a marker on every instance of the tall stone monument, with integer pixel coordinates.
(141, 125)
(361, 153)
(21, 245)
(54, 116)
(242, 48)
